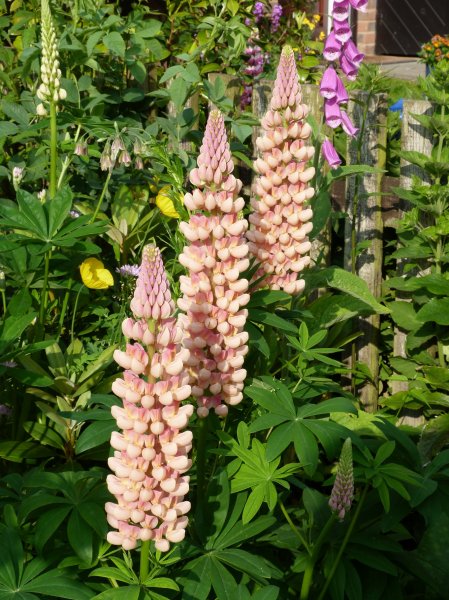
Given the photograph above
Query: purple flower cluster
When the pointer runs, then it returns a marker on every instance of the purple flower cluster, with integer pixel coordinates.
(339, 47)
(258, 11)
(128, 270)
(254, 67)
(276, 15)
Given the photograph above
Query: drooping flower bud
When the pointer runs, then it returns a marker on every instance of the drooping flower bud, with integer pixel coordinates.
(330, 154)
(342, 493)
(151, 452)
(214, 294)
(280, 221)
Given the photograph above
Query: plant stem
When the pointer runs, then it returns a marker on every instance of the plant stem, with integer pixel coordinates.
(100, 199)
(68, 159)
(344, 543)
(53, 150)
(308, 573)
(294, 528)
(75, 307)
(144, 561)
(201, 465)
(44, 298)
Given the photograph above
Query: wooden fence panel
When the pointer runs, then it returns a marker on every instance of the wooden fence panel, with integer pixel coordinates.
(364, 226)
(414, 137)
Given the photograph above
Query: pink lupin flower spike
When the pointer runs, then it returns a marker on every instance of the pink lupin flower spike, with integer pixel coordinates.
(280, 221)
(213, 292)
(151, 452)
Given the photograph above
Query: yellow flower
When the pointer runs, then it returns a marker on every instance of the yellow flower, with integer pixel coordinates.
(316, 18)
(94, 275)
(321, 36)
(165, 203)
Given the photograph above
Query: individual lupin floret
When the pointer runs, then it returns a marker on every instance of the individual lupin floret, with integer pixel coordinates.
(50, 89)
(214, 293)
(343, 490)
(280, 221)
(151, 450)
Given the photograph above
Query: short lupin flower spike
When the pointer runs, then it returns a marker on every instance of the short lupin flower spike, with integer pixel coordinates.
(343, 490)
(50, 89)
(213, 292)
(151, 451)
(280, 222)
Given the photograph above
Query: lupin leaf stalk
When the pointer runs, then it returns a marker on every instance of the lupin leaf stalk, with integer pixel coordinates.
(151, 451)
(280, 222)
(214, 294)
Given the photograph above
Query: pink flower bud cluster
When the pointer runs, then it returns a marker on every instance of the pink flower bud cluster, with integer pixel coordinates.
(280, 222)
(213, 292)
(151, 451)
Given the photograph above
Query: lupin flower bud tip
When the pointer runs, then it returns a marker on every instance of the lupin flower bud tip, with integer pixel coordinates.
(342, 494)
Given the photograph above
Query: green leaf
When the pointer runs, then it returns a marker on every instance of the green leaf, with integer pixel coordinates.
(266, 297)
(178, 92)
(257, 339)
(269, 592)
(436, 310)
(197, 582)
(94, 435)
(306, 448)
(246, 562)
(20, 451)
(222, 581)
(280, 438)
(404, 315)
(115, 43)
(7, 128)
(129, 592)
(80, 537)
(56, 583)
(47, 524)
(271, 319)
(254, 502)
(58, 208)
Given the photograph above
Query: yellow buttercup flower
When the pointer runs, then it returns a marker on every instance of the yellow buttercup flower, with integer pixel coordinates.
(165, 203)
(94, 275)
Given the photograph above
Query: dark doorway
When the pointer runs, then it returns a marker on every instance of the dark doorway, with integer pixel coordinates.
(402, 27)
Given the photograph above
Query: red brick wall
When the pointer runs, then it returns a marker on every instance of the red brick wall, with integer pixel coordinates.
(366, 29)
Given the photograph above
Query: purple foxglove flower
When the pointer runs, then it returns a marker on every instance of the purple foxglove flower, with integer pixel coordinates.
(329, 83)
(340, 10)
(332, 113)
(332, 48)
(343, 490)
(352, 53)
(342, 31)
(330, 154)
(359, 4)
(348, 125)
(348, 68)
(342, 95)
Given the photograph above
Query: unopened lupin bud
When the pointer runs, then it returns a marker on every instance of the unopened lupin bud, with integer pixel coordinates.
(343, 490)
(50, 89)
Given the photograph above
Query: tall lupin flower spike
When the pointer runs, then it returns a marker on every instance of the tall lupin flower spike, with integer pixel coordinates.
(151, 452)
(340, 47)
(343, 490)
(213, 292)
(50, 89)
(280, 222)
